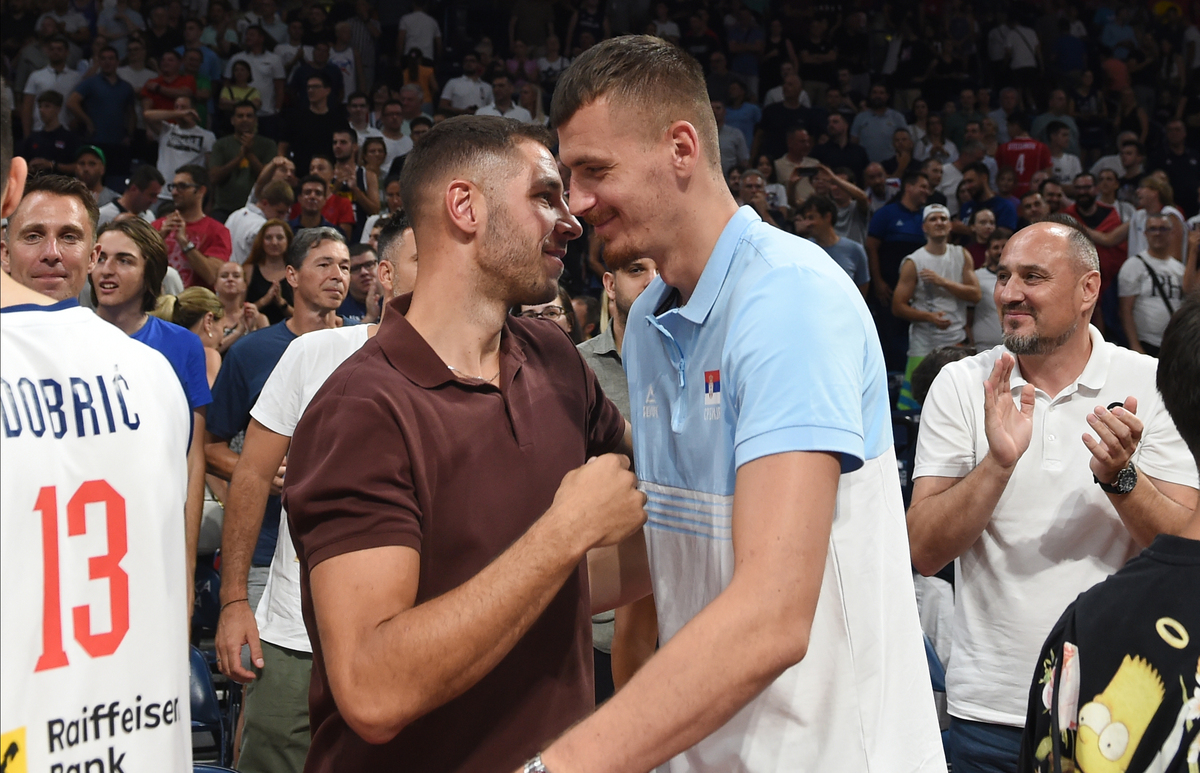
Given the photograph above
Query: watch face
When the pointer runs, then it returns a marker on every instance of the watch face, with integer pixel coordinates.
(1126, 480)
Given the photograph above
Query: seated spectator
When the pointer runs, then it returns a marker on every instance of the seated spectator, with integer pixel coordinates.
(197, 245)
(735, 152)
(1117, 678)
(1052, 194)
(89, 169)
(502, 103)
(181, 140)
(318, 66)
(140, 195)
(983, 318)
(777, 196)
(335, 209)
(244, 224)
(363, 301)
(241, 317)
(754, 194)
(873, 128)
(902, 144)
(265, 270)
(374, 152)
(796, 166)
(392, 128)
(358, 114)
(1006, 180)
(466, 93)
(1032, 209)
(51, 149)
(1150, 286)
(819, 214)
(787, 67)
(559, 311)
(935, 144)
(975, 177)
(935, 284)
(238, 159)
(1108, 186)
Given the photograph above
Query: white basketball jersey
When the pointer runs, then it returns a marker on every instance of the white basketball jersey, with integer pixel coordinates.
(94, 674)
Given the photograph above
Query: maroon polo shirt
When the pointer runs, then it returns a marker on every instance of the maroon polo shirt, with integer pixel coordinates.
(395, 450)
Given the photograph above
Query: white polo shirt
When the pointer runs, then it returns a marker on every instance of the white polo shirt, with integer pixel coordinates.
(47, 79)
(244, 225)
(1054, 533)
(464, 92)
(300, 372)
(776, 352)
(265, 69)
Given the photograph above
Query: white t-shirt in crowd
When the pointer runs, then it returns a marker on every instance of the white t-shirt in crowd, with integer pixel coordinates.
(300, 372)
(515, 112)
(1136, 241)
(464, 92)
(924, 337)
(1150, 312)
(287, 52)
(244, 225)
(137, 79)
(1066, 168)
(47, 79)
(92, 490)
(395, 149)
(776, 95)
(178, 147)
(109, 212)
(1022, 42)
(265, 69)
(344, 61)
(986, 328)
(1053, 534)
(421, 30)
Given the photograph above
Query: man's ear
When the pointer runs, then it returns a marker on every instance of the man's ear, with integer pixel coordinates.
(685, 148)
(386, 275)
(466, 207)
(14, 186)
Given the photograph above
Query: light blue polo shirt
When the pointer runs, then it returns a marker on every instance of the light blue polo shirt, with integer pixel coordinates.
(774, 352)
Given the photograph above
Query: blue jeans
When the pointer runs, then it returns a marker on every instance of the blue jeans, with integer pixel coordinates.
(978, 747)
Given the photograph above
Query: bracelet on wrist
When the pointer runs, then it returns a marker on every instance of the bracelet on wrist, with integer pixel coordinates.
(235, 601)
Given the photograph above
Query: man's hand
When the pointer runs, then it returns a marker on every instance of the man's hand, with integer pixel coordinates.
(600, 501)
(249, 315)
(235, 627)
(940, 320)
(1009, 430)
(277, 481)
(173, 224)
(932, 277)
(1120, 431)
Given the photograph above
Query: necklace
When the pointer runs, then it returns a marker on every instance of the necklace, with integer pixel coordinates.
(477, 378)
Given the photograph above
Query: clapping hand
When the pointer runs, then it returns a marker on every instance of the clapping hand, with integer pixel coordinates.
(1009, 429)
(1119, 431)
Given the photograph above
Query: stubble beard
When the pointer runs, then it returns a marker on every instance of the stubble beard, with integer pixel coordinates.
(1035, 345)
(508, 272)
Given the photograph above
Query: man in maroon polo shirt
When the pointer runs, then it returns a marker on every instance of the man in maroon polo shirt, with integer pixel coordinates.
(437, 489)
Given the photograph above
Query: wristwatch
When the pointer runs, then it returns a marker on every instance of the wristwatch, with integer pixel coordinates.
(535, 765)
(187, 246)
(1125, 481)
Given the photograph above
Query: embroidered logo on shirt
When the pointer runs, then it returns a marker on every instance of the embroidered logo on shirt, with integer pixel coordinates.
(712, 387)
(650, 409)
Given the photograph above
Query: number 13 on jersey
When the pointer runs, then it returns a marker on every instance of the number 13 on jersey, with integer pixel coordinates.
(103, 567)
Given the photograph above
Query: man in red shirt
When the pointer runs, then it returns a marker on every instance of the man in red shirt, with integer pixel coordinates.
(197, 245)
(1088, 210)
(160, 93)
(337, 209)
(1023, 153)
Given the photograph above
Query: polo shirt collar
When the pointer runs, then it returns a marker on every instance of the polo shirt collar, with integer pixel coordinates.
(255, 210)
(1094, 374)
(697, 308)
(416, 360)
(605, 343)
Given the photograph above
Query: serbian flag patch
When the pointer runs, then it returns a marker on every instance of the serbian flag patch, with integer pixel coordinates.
(712, 387)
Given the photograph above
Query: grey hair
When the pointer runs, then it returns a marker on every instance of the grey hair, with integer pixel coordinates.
(414, 88)
(306, 239)
(1083, 250)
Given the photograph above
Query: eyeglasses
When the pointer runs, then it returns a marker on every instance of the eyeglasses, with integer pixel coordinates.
(363, 266)
(172, 187)
(550, 312)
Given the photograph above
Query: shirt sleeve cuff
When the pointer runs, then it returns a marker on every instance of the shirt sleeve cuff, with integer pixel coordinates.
(846, 444)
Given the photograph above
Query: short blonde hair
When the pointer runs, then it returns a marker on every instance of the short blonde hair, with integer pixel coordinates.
(1166, 194)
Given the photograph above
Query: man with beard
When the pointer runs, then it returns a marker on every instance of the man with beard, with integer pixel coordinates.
(982, 197)
(874, 127)
(1088, 210)
(1004, 485)
(445, 591)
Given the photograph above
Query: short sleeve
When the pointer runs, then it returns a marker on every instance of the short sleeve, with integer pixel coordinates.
(946, 442)
(862, 273)
(605, 425)
(1129, 278)
(219, 243)
(878, 226)
(230, 409)
(195, 373)
(1162, 453)
(795, 392)
(279, 402)
(350, 483)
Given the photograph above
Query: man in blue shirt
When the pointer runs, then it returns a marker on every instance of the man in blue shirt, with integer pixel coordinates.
(105, 105)
(894, 233)
(318, 270)
(818, 214)
(760, 409)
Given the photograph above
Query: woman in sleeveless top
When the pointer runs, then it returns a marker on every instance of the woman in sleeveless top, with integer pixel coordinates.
(266, 271)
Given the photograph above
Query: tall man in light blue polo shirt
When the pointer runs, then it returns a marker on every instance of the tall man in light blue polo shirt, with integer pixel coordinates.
(776, 536)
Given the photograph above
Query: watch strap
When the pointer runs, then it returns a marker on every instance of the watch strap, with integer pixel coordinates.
(1115, 487)
(535, 765)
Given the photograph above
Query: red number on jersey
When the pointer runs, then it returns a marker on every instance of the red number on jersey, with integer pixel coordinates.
(107, 566)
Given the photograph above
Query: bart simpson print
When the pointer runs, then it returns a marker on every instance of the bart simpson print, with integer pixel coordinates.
(1111, 725)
